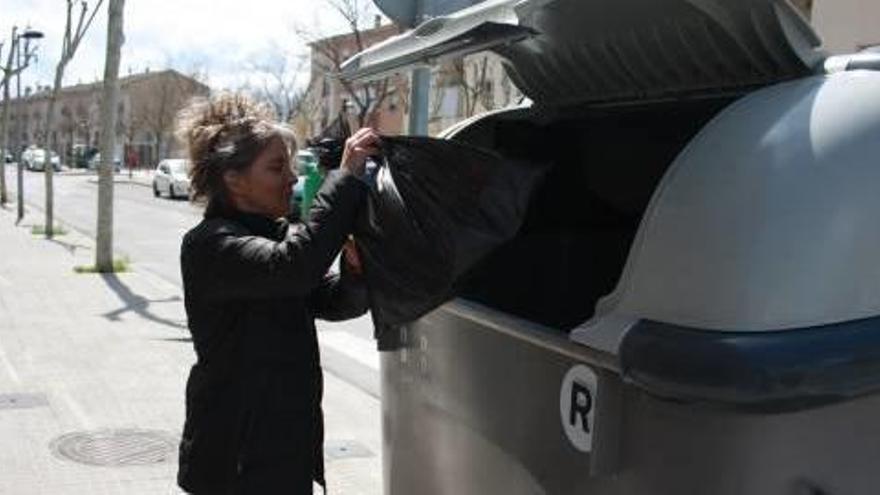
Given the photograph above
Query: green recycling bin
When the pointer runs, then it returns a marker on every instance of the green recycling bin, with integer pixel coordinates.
(311, 177)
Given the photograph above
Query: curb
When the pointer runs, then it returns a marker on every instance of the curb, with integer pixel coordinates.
(125, 181)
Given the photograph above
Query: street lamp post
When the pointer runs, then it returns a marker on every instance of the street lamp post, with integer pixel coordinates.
(28, 35)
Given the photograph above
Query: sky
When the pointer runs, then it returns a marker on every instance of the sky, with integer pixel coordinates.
(225, 39)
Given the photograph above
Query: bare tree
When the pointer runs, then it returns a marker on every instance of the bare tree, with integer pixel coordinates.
(365, 98)
(71, 40)
(11, 68)
(157, 110)
(109, 116)
(83, 119)
(473, 82)
(279, 83)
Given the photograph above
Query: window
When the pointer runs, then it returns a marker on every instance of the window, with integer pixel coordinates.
(449, 103)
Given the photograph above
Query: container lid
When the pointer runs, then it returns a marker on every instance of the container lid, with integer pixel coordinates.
(576, 51)
(766, 221)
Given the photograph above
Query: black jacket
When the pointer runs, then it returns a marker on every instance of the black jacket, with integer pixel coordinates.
(252, 288)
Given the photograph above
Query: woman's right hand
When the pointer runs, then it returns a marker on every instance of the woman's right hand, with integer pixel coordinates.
(351, 257)
(358, 147)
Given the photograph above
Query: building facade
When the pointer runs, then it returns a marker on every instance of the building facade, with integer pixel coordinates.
(147, 108)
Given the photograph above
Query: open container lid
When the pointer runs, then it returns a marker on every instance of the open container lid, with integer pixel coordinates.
(767, 221)
(577, 51)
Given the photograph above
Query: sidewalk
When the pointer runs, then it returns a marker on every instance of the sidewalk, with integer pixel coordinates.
(92, 373)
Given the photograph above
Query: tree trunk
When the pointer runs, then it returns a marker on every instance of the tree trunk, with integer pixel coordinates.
(48, 171)
(4, 127)
(104, 241)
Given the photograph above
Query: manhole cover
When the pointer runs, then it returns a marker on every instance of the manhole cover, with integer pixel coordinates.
(345, 449)
(116, 447)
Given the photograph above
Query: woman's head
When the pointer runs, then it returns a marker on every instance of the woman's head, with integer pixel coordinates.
(240, 157)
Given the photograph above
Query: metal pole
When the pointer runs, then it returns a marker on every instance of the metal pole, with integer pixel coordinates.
(4, 139)
(421, 84)
(19, 173)
(418, 114)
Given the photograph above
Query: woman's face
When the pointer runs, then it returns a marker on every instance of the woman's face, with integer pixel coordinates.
(266, 186)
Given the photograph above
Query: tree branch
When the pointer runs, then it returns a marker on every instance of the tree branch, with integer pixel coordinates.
(80, 30)
(65, 43)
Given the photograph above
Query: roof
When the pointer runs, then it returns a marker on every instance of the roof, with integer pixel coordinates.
(380, 32)
(123, 82)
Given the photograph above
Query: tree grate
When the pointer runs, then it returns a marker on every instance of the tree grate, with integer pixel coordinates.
(117, 448)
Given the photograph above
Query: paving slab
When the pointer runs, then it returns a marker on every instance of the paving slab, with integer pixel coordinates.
(93, 367)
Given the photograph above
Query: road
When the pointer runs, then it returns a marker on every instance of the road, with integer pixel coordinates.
(147, 230)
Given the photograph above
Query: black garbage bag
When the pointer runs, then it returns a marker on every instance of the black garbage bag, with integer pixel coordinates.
(435, 208)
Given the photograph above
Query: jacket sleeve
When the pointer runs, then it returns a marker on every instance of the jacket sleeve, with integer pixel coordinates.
(253, 267)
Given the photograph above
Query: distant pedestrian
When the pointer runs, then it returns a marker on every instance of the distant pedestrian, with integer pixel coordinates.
(133, 159)
(253, 284)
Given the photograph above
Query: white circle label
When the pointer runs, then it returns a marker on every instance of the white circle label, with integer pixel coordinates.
(577, 403)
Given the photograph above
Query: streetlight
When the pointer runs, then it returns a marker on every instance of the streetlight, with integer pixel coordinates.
(28, 35)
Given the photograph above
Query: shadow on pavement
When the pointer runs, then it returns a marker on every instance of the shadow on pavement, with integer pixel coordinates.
(69, 246)
(136, 303)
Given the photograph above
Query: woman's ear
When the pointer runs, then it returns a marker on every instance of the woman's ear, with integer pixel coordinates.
(234, 183)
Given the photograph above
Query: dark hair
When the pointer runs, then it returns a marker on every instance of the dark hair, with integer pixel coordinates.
(223, 133)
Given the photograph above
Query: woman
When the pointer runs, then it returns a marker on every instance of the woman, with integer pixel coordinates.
(253, 285)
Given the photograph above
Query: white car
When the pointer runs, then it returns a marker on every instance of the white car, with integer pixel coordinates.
(95, 161)
(34, 159)
(171, 178)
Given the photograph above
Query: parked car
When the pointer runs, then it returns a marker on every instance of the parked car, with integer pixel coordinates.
(95, 161)
(171, 178)
(34, 159)
(692, 304)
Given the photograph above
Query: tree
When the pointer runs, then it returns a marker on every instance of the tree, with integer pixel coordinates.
(279, 82)
(366, 98)
(12, 68)
(473, 84)
(109, 117)
(156, 111)
(70, 42)
(82, 116)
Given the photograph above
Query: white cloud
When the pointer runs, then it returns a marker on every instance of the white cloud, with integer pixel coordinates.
(220, 37)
